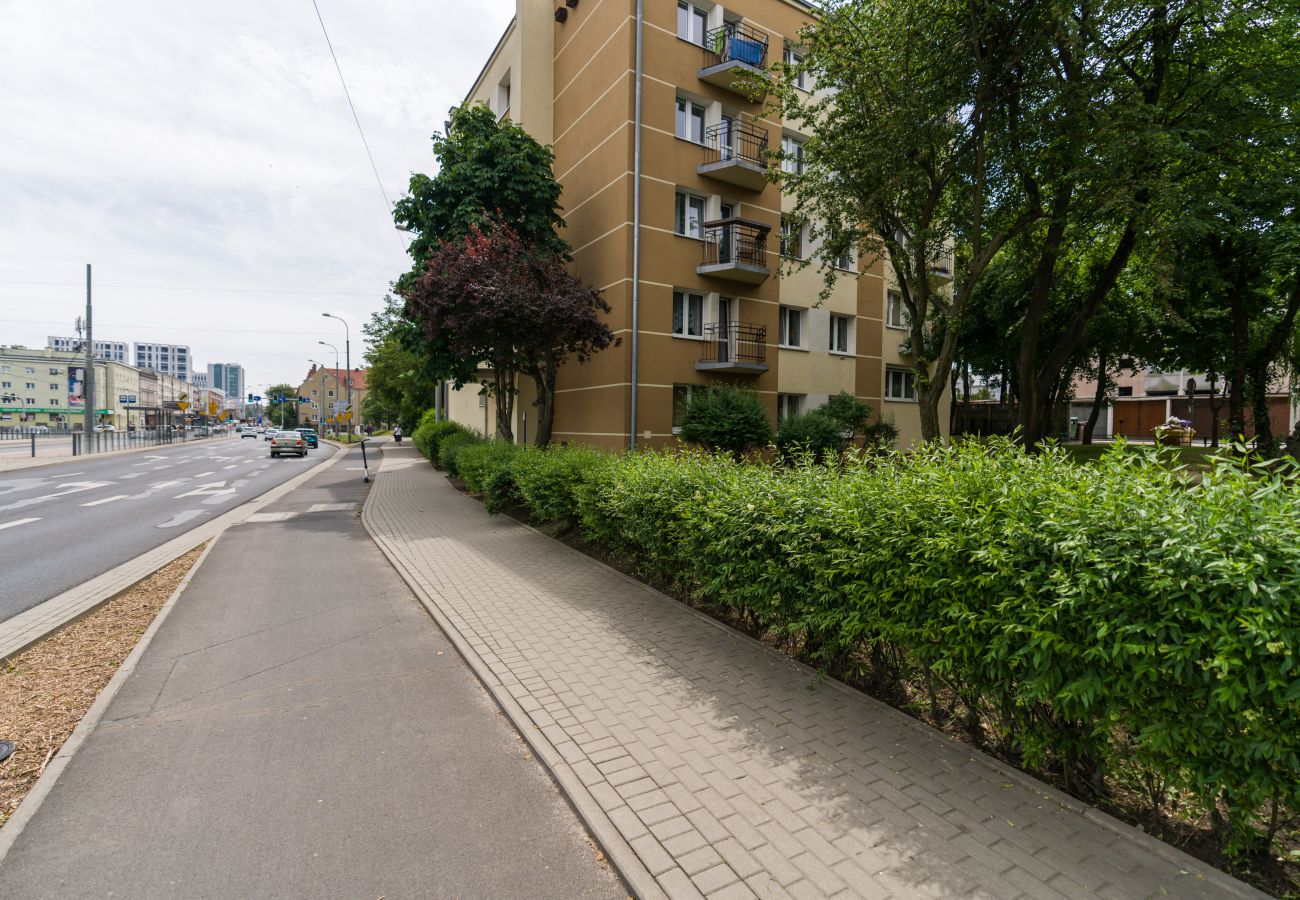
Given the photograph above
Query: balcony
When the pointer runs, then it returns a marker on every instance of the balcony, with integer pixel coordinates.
(736, 347)
(736, 249)
(731, 54)
(736, 152)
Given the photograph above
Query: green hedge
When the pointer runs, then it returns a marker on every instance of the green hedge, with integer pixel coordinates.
(476, 464)
(451, 446)
(430, 433)
(1086, 619)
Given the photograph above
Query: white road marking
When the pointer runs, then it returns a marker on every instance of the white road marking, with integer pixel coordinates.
(105, 500)
(132, 475)
(4, 525)
(61, 475)
(159, 485)
(204, 474)
(181, 518)
(231, 466)
(75, 488)
(330, 507)
(204, 490)
(270, 516)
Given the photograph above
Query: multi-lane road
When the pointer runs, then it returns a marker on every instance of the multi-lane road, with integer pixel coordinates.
(62, 525)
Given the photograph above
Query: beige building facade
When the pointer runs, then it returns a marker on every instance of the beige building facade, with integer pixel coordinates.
(720, 297)
(327, 389)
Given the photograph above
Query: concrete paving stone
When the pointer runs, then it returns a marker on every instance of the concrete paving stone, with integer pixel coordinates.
(629, 824)
(671, 828)
(766, 887)
(699, 860)
(660, 813)
(637, 788)
(735, 891)
(708, 825)
(736, 856)
(606, 796)
(778, 864)
(678, 886)
(616, 763)
(633, 773)
(652, 854)
(861, 883)
(681, 844)
(648, 799)
(714, 878)
(819, 874)
(806, 890)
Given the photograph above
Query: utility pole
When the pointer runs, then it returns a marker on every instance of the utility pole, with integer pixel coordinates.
(88, 391)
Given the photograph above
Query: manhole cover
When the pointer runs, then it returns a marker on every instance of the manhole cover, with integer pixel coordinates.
(6, 750)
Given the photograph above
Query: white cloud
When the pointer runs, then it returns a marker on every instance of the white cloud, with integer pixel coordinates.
(201, 146)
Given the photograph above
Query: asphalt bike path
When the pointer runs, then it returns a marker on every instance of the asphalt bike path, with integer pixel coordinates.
(65, 524)
(299, 727)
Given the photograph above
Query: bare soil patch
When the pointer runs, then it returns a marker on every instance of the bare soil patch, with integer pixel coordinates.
(47, 689)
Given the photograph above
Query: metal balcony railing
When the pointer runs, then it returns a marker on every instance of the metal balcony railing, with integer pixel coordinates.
(734, 346)
(735, 42)
(737, 140)
(735, 241)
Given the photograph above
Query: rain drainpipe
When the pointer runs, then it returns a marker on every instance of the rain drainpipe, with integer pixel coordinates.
(636, 218)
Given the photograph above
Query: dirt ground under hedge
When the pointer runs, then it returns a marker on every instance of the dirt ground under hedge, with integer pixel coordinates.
(47, 689)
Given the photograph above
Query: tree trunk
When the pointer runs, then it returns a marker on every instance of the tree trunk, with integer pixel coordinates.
(545, 382)
(1237, 381)
(503, 388)
(1259, 410)
(1098, 401)
(928, 401)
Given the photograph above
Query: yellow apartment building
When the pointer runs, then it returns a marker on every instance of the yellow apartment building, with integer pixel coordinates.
(677, 224)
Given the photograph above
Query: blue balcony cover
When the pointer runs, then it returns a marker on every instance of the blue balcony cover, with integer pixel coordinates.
(746, 50)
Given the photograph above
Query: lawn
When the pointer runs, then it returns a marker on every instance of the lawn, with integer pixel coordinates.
(1197, 457)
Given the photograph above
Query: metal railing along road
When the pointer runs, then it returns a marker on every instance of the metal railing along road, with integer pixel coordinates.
(35, 442)
(735, 41)
(735, 139)
(734, 342)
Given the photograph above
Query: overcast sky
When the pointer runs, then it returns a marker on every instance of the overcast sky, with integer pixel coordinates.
(203, 158)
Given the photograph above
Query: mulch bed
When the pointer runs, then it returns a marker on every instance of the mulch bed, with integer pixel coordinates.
(47, 689)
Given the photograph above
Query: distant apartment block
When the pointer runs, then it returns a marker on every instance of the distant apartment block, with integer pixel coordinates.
(228, 377)
(200, 380)
(171, 359)
(117, 351)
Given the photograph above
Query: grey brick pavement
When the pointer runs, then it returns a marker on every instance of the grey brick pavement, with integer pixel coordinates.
(726, 768)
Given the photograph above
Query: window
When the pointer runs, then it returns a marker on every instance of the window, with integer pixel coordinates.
(788, 405)
(688, 314)
(55, 387)
(503, 96)
(30, 371)
(1125, 390)
(682, 394)
(31, 401)
(7, 384)
(895, 311)
(794, 58)
(791, 239)
(839, 334)
(790, 320)
(900, 384)
(792, 155)
(845, 261)
(56, 371)
(690, 121)
(31, 385)
(692, 22)
(330, 394)
(690, 215)
(54, 401)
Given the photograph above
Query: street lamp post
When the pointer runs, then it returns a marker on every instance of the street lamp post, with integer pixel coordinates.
(347, 348)
(336, 374)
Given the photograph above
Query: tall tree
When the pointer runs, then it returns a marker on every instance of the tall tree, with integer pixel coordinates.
(282, 405)
(400, 378)
(491, 300)
(903, 155)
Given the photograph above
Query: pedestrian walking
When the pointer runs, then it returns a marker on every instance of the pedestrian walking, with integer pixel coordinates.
(397, 434)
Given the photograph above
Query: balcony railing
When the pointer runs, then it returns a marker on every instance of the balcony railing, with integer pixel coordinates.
(734, 347)
(732, 48)
(735, 151)
(735, 248)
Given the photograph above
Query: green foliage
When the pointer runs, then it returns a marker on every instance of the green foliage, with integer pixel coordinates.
(850, 412)
(728, 418)
(283, 414)
(815, 432)
(881, 435)
(430, 433)
(1086, 618)
(450, 448)
(477, 464)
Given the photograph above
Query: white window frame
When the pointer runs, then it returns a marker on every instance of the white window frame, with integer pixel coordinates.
(896, 311)
(695, 16)
(681, 219)
(792, 57)
(503, 96)
(791, 235)
(904, 379)
(785, 316)
(788, 405)
(689, 391)
(841, 327)
(847, 261)
(792, 161)
(686, 299)
(687, 113)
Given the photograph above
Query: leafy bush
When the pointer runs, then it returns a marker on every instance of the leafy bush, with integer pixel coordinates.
(429, 434)
(501, 492)
(881, 435)
(450, 447)
(848, 410)
(547, 480)
(477, 463)
(727, 418)
(815, 432)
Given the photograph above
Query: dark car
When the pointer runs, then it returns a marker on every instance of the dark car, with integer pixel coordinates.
(309, 435)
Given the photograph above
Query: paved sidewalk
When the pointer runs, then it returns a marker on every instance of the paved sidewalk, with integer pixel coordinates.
(298, 727)
(724, 767)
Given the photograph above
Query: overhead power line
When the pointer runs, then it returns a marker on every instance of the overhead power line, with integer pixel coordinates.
(196, 288)
(388, 204)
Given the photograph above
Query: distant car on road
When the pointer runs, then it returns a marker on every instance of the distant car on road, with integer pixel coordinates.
(290, 442)
(309, 435)
(105, 428)
(248, 432)
(270, 433)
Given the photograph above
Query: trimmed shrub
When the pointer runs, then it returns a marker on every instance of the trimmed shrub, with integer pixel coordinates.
(477, 463)
(881, 435)
(816, 433)
(430, 433)
(450, 447)
(727, 418)
(547, 480)
(848, 410)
